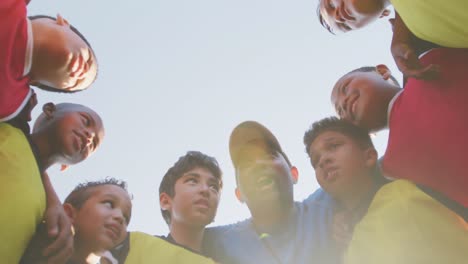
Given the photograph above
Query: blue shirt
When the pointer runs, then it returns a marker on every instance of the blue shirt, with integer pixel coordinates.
(305, 239)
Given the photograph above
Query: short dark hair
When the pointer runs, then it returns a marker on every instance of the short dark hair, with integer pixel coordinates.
(77, 32)
(373, 69)
(191, 160)
(338, 125)
(82, 191)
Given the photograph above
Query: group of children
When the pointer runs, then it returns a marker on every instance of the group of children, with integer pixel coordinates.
(408, 207)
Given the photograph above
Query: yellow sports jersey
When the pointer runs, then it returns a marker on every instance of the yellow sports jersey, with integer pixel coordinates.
(405, 225)
(443, 22)
(145, 248)
(22, 195)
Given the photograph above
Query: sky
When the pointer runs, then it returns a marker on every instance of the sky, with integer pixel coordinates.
(179, 75)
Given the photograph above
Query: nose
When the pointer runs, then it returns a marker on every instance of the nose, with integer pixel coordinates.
(89, 137)
(325, 159)
(205, 190)
(119, 216)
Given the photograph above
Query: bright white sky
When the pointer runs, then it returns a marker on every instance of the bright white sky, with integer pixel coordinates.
(179, 75)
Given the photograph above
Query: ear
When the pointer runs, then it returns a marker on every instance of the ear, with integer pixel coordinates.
(165, 201)
(294, 174)
(370, 157)
(49, 109)
(70, 211)
(384, 71)
(62, 21)
(239, 195)
(64, 167)
(385, 13)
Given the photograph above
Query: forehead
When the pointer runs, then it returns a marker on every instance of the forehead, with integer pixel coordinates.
(200, 172)
(326, 137)
(70, 109)
(254, 150)
(110, 191)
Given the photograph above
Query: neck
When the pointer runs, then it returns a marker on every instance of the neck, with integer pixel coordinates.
(267, 221)
(188, 236)
(388, 95)
(83, 256)
(358, 197)
(46, 154)
(40, 56)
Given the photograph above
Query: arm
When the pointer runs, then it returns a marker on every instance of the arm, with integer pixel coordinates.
(58, 227)
(406, 48)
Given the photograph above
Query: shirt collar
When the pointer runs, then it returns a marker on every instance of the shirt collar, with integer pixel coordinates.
(390, 105)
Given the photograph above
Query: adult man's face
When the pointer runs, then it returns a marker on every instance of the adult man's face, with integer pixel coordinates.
(264, 178)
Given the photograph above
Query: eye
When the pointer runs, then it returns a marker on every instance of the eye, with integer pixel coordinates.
(214, 187)
(345, 27)
(192, 180)
(109, 203)
(333, 146)
(86, 120)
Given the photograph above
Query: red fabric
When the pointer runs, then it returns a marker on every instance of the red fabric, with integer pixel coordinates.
(428, 140)
(14, 87)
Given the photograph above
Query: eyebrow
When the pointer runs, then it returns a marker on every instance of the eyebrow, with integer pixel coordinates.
(191, 174)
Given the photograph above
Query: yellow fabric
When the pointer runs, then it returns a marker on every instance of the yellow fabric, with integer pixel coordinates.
(22, 195)
(145, 248)
(405, 225)
(444, 22)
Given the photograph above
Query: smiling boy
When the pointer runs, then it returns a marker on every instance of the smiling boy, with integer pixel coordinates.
(43, 51)
(427, 121)
(64, 133)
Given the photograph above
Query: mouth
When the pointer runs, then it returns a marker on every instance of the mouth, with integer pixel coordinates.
(203, 203)
(77, 66)
(114, 231)
(345, 14)
(264, 183)
(80, 142)
(331, 174)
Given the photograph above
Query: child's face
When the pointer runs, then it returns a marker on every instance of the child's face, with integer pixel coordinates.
(101, 223)
(76, 133)
(68, 63)
(341, 165)
(196, 197)
(362, 98)
(346, 15)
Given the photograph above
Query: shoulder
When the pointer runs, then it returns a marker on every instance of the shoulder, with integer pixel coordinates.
(145, 248)
(228, 231)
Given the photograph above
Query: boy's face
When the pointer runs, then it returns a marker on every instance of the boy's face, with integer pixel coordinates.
(362, 98)
(76, 133)
(341, 165)
(67, 62)
(196, 198)
(346, 15)
(264, 177)
(101, 223)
